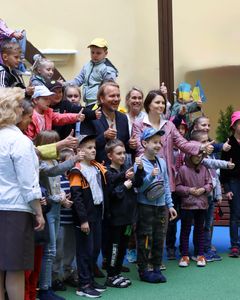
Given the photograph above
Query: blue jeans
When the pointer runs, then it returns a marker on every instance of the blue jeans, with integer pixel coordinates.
(208, 224)
(49, 251)
(234, 185)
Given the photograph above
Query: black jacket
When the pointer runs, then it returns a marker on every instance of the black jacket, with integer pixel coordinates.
(83, 207)
(10, 78)
(66, 106)
(121, 208)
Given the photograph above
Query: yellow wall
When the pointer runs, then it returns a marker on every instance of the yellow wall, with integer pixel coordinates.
(207, 47)
(129, 26)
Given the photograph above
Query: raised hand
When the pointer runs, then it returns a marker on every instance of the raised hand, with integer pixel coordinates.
(128, 183)
(129, 174)
(138, 162)
(81, 116)
(110, 133)
(98, 113)
(226, 146)
(230, 164)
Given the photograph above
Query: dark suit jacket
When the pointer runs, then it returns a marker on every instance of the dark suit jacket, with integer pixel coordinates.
(101, 125)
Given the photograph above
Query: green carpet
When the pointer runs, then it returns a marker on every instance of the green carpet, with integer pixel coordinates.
(217, 281)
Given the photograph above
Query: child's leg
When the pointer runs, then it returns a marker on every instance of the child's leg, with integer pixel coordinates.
(84, 254)
(57, 264)
(144, 235)
(234, 212)
(69, 246)
(186, 223)
(159, 234)
(199, 216)
(27, 275)
(33, 280)
(126, 231)
(208, 224)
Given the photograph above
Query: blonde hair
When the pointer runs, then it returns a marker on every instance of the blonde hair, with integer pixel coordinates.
(9, 103)
(39, 62)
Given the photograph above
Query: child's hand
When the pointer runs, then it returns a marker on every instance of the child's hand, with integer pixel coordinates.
(173, 213)
(139, 163)
(43, 201)
(199, 103)
(128, 183)
(230, 164)
(81, 116)
(60, 80)
(63, 198)
(18, 35)
(163, 88)
(67, 203)
(192, 191)
(85, 227)
(30, 90)
(200, 191)
(98, 113)
(229, 195)
(155, 170)
(129, 174)
(219, 201)
(110, 133)
(69, 142)
(132, 143)
(183, 110)
(226, 146)
(208, 147)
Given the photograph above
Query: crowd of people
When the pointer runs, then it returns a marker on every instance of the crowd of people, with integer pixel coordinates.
(78, 182)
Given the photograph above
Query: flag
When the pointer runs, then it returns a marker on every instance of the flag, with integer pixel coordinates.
(198, 92)
(184, 90)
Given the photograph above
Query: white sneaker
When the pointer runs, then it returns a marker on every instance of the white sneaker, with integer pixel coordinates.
(184, 261)
(201, 261)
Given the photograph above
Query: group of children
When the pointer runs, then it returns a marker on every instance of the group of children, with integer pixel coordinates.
(125, 201)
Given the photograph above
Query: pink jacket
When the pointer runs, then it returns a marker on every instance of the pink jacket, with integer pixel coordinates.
(171, 138)
(188, 177)
(5, 32)
(51, 118)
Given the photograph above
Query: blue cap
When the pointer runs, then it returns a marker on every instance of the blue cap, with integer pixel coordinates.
(150, 132)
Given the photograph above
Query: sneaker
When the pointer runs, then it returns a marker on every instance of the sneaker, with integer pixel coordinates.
(58, 285)
(97, 272)
(132, 255)
(217, 257)
(201, 261)
(171, 255)
(48, 295)
(98, 287)
(194, 257)
(117, 282)
(184, 261)
(163, 267)
(149, 276)
(162, 278)
(234, 252)
(88, 291)
(128, 281)
(212, 256)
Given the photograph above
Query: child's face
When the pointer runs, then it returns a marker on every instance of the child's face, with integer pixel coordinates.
(73, 95)
(204, 139)
(135, 102)
(157, 105)
(57, 97)
(203, 124)
(42, 103)
(89, 148)
(117, 156)
(236, 127)
(182, 129)
(153, 145)
(196, 159)
(12, 59)
(97, 54)
(47, 70)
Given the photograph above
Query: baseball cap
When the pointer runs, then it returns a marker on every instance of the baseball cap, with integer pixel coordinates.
(53, 84)
(84, 138)
(99, 42)
(150, 132)
(235, 117)
(41, 91)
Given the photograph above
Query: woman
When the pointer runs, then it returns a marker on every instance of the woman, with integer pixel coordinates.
(20, 208)
(155, 106)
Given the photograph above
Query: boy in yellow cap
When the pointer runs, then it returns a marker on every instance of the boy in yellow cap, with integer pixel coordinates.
(95, 72)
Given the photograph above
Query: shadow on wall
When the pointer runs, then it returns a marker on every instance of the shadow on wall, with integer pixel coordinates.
(221, 86)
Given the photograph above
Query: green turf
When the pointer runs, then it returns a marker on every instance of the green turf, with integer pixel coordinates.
(217, 281)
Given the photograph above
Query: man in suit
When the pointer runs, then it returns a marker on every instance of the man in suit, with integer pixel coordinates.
(112, 124)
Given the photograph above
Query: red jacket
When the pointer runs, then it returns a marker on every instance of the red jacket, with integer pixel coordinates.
(51, 118)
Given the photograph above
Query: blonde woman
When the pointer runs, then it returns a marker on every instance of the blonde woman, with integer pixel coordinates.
(20, 209)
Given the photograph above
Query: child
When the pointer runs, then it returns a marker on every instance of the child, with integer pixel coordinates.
(11, 55)
(193, 184)
(231, 183)
(94, 73)
(154, 202)
(43, 117)
(50, 172)
(88, 191)
(61, 105)
(120, 210)
(72, 93)
(43, 70)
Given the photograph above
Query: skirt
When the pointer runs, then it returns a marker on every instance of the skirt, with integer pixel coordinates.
(16, 241)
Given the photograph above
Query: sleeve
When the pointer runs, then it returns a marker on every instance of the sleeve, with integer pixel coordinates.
(192, 107)
(115, 186)
(168, 197)
(79, 79)
(208, 186)
(3, 78)
(89, 114)
(138, 177)
(31, 131)
(48, 151)
(211, 163)
(181, 189)
(5, 30)
(59, 169)
(24, 158)
(137, 130)
(217, 147)
(63, 119)
(218, 190)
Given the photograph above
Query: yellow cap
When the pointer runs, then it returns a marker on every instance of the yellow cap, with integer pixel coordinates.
(99, 42)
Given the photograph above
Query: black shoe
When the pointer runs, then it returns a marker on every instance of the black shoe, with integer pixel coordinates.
(161, 277)
(98, 287)
(71, 281)
(97, 272)
(58, 285)
(88, 291)
(117, 281)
